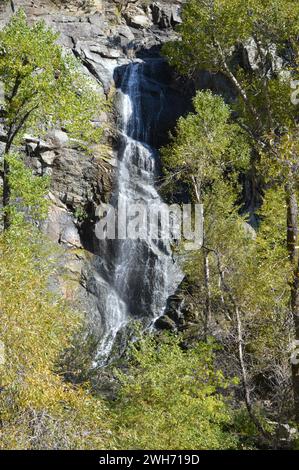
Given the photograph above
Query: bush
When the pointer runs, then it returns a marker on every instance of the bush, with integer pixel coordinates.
(38, 409)
(169, 399)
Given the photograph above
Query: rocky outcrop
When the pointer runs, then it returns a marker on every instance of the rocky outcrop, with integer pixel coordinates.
(105, 36)
(165, 15)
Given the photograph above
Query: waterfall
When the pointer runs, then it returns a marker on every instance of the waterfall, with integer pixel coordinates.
(140, 275)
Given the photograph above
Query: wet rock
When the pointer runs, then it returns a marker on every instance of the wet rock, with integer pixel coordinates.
(165, 323)
(174, 308)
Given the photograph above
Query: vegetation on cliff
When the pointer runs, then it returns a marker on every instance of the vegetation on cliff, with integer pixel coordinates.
(250, 276)
(226, 380)
(43, 88)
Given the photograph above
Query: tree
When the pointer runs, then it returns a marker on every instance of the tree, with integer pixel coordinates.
(169, 399)
(212, 33)
(206, 145)
(210, 153)
(43, 88)
(38, 408)
(212, 30)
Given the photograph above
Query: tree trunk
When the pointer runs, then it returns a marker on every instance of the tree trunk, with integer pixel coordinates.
(240, 345)
(206, 265)
(229, 74)
(6, 187)
(208, 310)
(292, 243)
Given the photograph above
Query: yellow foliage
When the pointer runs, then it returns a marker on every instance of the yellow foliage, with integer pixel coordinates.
(38, 409)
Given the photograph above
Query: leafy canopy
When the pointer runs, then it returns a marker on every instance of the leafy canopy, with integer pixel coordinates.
(169, 399)
(206, 143)
(38, 408)
(211, 28)
(216, 33)
(44, 87)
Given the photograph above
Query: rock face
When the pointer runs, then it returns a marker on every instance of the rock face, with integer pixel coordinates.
(136, 276)
(105, 36)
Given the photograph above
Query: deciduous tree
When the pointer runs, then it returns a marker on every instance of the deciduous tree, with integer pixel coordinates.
(43, 88)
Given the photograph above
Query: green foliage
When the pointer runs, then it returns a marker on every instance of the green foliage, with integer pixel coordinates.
(209, 28)
(38, 409)
(170, 399)
(80, 214)
(28, 193)
(211, 33)
(206, 143)
(246, 268)
(245, 428)
(44, 87)
(204, 23)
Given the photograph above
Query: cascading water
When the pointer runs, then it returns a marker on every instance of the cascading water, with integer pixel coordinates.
(140, 275)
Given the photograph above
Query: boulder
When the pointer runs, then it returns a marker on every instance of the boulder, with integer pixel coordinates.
(48, 157)
(70, 235)
(249, 58)
(58, 138)
(60, 227)
(136, 17)
(165, 323)
(165, 15)
(105, 51)
(140, 21)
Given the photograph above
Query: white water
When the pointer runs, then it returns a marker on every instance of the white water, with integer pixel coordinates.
(144, 274)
